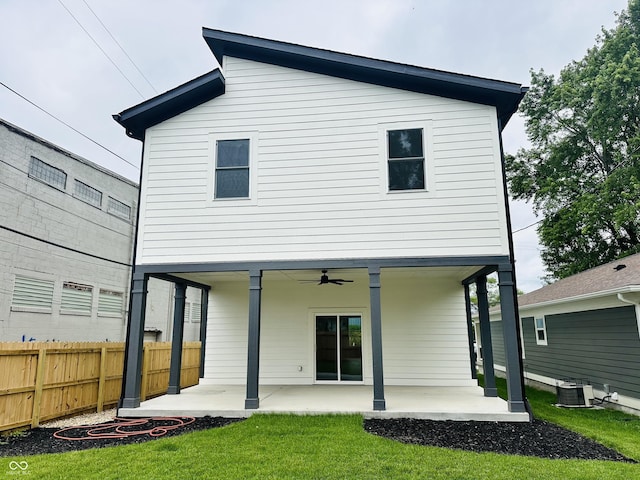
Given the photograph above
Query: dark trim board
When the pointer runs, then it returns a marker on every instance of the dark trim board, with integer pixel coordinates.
(505, 96)
(177, 268)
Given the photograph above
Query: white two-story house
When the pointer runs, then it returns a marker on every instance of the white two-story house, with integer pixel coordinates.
(334, 210)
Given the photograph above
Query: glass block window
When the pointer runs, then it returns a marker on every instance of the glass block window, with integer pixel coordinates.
(405, 155)
(232, 169)
(110, 303)
(76, 297)
(47, 173)
(118, 208)
(87, 194)
(32, 292)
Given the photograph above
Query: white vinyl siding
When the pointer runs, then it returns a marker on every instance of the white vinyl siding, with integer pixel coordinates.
(423, 322)
(318, 189)
(32, 293)
(76, 298)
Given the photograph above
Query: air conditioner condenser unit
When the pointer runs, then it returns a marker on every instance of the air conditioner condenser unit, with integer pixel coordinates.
(572, 394)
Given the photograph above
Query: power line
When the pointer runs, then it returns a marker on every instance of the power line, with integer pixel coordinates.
(121, 48)
(63, 246)
(67, 125)
(101, 49)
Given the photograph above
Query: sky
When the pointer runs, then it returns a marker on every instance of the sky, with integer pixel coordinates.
(84, 60)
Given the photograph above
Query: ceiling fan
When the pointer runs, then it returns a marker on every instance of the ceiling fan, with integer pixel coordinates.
(324, 279)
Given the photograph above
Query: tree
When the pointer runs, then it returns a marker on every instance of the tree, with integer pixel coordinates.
(493, 293)
(582, 171)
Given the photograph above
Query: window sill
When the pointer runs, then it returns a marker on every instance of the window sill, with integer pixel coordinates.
(17, 308)
(79, 313)
(110, 315)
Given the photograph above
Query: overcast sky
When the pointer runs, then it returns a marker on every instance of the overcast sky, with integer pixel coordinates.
(47, 57)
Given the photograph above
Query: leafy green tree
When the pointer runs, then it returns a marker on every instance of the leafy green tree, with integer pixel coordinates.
(582, 172)
(493, 293)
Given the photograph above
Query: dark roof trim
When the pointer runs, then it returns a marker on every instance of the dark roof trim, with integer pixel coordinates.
(169, 104)
(505, 96)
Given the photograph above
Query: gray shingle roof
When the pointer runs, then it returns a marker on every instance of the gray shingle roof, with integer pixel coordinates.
(608, 277)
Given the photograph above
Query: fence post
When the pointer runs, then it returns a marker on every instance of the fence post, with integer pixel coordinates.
(145, 371)
(102, 379)
(37, 396)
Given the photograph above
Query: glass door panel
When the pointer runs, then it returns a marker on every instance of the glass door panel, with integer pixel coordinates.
(326, 348)
(339, 347)
(351, 348)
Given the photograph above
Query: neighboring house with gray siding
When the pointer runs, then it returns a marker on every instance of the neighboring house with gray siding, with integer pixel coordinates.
(66, 240)
(586, 326)
(335, 208)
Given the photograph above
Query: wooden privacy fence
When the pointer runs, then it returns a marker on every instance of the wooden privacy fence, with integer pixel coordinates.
(42, 381)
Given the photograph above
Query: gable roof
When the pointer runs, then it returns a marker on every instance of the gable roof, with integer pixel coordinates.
(505, 96)
(169, 104)
(613, 277)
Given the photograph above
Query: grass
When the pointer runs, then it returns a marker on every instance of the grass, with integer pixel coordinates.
(324, 447)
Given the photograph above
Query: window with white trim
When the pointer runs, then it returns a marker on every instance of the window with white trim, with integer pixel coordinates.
(76, 298)
(232, 169)
(405, 159)
(119, 209)
(47, 173)
(541, 331)
(32, 293)
(87, 194)
(110, 303)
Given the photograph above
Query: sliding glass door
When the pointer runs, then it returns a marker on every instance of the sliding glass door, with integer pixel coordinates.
(339, 348)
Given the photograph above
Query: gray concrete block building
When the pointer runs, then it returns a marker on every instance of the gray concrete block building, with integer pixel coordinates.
(66, 241)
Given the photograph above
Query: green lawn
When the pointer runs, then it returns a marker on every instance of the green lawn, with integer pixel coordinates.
(283, 446)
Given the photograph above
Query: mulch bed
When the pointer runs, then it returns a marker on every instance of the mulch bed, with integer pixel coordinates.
(539, 438)
(536, 439)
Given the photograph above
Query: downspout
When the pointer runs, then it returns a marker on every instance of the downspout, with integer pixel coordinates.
(133, 263)
(512, 260)
(636, 303)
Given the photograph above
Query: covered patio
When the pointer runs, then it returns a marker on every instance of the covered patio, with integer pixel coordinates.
(434, 403)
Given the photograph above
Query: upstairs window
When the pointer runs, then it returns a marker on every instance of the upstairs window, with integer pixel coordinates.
(541, 331)
(48, 174)
(405, 155)
(87, 194)
(232, 169)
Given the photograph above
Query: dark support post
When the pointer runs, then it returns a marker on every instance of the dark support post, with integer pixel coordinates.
(470, 331)
(510, 333)
(204, 311)
(253, 357)
(135, 338)
(176, 341)
(376, 339)
(490, 389)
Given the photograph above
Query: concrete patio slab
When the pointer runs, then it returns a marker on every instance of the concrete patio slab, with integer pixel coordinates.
(435, 403)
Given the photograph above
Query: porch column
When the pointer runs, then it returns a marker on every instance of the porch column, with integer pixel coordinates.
(470, 331)
(175, 367)
(511, 339)
(253, 356)
(485, 334)
(135, 337)
(204, 311)
(376, 339)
